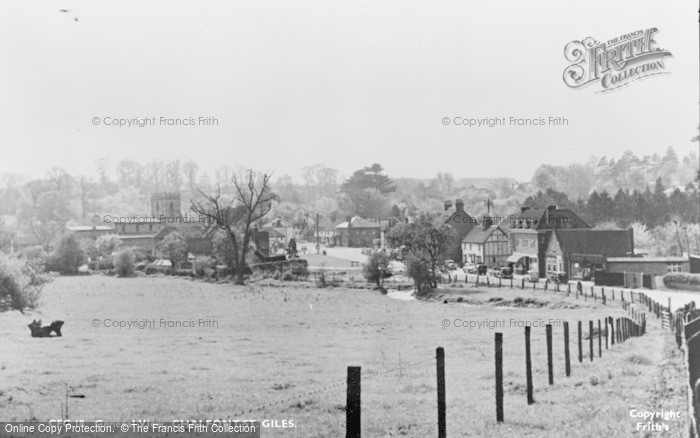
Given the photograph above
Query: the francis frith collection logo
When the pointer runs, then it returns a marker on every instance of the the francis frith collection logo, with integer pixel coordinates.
(614, 63)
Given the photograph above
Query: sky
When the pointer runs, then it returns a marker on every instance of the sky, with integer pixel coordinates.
(345, 83)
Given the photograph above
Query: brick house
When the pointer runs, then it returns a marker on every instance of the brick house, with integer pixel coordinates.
(574, 251)
(357, 232)
(461, 222)
(529, 232)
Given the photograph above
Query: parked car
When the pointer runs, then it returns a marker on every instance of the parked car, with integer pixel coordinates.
(506, 272)
(470, 268)
(502, 272)
(481, 269)
(450, 264)
(558, 277)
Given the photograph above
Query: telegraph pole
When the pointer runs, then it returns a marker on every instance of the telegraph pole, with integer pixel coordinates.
(318, 237)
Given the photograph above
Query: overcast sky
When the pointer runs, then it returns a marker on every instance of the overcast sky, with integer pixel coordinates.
(341, 83)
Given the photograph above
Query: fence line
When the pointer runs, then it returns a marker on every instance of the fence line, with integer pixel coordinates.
(686, 324)
(632, 327)
(353, 425)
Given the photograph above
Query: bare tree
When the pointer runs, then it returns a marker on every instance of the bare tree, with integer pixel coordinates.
(236, 213)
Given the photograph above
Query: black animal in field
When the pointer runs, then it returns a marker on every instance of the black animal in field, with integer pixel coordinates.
(45, 332)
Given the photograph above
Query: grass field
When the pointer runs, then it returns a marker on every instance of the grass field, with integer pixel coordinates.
(283, 352)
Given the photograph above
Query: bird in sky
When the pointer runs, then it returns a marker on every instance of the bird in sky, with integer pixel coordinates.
(65, 11)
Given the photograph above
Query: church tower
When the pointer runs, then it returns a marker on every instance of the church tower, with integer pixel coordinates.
(166, 204)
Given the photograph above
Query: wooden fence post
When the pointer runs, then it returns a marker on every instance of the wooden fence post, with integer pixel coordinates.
(528, 366)
(567, 357)
(550, 364)
(442, 423)
(590, 341)
(499, 377)
(612, 330)
(568, 289)
(580, 344)
(600, 341)
(613, 294)
(352, 409)
(606, 332)
(604, 299)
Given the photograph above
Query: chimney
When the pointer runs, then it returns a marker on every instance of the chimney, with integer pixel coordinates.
(524, 209)
(630, 233)
(486, 222)
(459, 205)
(548, 215)
(349, 220)
(448, 205)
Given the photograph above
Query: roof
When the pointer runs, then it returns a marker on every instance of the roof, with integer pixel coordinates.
(594, 242)
(164, 232)
(560, 218)
(358, 222)
(278, 223)
(647, 259)
(273, 233)
(89, 228)
(479, 235)
(452, 211)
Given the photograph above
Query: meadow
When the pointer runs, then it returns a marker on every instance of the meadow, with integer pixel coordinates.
(219, 351)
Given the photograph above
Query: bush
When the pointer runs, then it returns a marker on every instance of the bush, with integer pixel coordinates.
(22, 281)
(106, 263)
(202, 264)
(154, 269)
(419, 270)
(124, 263)
(300, 267)
(377, 268)
(288, 275)
(68, 254)
(107, 244)
(183, 273)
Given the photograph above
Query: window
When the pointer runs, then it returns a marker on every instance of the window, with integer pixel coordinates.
(673, 267)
